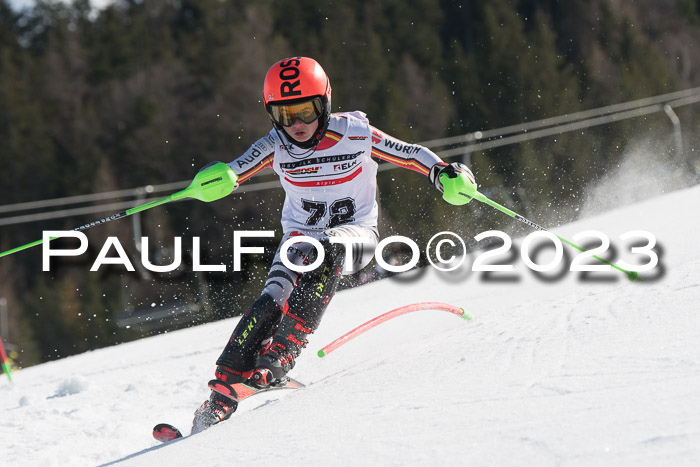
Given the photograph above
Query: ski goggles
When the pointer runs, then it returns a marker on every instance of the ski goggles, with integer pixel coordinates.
(307, 112)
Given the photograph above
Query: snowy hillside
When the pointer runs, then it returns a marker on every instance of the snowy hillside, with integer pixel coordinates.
(565, 372)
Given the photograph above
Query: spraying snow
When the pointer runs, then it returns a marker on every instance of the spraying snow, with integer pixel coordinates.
(647, 170)
(570, 372)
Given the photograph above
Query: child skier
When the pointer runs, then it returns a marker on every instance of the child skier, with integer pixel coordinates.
(324, 162)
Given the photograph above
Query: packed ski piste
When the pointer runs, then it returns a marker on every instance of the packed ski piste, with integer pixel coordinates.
(326, 164)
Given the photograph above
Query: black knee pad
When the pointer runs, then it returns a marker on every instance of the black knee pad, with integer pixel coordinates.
(255, 326)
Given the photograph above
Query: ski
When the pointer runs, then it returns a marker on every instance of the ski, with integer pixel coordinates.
(165, 432)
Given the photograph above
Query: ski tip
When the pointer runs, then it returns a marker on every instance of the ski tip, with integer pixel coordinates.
(226, 389)
(164, 432)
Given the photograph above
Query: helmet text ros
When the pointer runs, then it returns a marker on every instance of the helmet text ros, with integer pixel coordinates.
(288, 73)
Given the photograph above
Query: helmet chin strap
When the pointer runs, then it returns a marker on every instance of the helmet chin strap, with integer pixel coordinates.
(300, 155)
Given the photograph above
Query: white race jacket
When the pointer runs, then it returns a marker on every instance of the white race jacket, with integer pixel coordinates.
(335, 184)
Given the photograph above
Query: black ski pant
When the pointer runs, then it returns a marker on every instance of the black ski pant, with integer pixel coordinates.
(290, 295)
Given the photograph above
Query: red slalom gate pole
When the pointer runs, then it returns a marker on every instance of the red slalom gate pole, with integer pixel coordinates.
(387, 316)
(3, 361)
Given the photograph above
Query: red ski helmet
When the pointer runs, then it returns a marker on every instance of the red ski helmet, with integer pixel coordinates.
(297, 87)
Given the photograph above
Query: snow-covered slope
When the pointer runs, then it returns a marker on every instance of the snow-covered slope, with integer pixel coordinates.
(567, 372)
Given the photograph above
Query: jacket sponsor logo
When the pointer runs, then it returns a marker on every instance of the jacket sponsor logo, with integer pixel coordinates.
(377, 136)
(321, 160)
(262, 147)
(345, 165)
(401, 147)
(266, 144)
(357, 138)
(303, 171)
(248, 158)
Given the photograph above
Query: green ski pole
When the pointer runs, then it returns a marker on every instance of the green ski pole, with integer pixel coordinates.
(213, 182)
(461, 192)
(631, 275)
